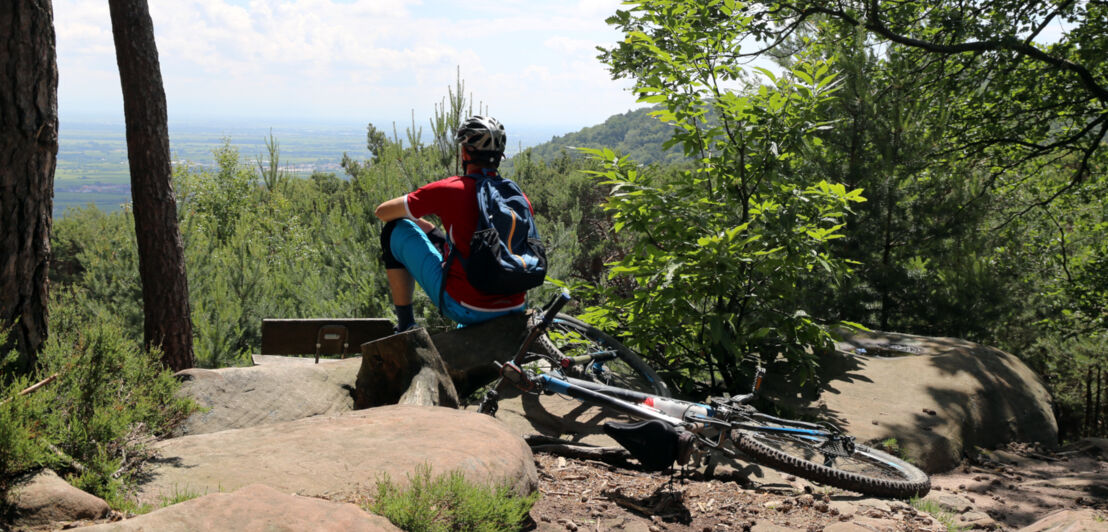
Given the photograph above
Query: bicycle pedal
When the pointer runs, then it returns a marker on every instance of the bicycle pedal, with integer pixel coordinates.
(490, 404)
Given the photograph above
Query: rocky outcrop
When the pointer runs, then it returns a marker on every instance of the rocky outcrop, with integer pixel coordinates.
(403, 369)
(254, 507)
(233, 398)
(936, 397)
(342, 455)
(1084, 520)
(43, 498)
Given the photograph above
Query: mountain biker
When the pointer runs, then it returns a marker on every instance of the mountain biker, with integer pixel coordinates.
(413, 248)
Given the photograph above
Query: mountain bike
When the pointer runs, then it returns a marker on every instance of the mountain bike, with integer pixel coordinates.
(675, 431)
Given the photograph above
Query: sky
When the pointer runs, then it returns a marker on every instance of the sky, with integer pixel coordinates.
(529, 62)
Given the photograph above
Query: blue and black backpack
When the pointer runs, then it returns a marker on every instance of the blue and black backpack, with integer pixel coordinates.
(506, 255)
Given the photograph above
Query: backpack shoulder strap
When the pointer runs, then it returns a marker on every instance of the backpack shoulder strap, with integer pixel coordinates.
(452, 254)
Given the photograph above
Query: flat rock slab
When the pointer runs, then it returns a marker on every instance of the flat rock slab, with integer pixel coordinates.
(937, 397)
(234, 398)
(556, 416)
(253, 508)
(1083, 520)
(342, 455)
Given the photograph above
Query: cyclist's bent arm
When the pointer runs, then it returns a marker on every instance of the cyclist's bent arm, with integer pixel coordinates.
(395, 209)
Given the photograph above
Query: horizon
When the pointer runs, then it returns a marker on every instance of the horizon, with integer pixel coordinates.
(526, 134)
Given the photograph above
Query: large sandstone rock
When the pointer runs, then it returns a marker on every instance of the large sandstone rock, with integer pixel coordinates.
(235, 398)
(937, 398)
(1084, 520)
(403, 369)
(255, 507)
(342, 455)
(44, 498)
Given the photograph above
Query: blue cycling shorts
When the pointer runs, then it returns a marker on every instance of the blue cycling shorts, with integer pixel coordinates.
(412, 248)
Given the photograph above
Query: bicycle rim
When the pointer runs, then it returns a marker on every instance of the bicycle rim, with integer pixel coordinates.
(866, 470)
(575, 338)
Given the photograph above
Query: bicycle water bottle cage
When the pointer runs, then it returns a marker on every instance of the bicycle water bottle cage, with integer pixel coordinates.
(655, 444)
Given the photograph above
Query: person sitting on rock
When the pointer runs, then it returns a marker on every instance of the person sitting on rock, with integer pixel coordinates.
(413, 248)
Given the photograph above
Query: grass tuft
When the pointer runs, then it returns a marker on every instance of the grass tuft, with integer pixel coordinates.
(936, 511)
(450, 502)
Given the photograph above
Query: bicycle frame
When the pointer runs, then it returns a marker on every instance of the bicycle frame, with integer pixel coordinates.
(630, 402)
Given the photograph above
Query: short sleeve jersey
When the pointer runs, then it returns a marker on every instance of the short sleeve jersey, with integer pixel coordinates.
(454, 201)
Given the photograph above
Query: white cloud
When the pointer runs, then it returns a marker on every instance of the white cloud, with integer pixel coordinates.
(362, 60)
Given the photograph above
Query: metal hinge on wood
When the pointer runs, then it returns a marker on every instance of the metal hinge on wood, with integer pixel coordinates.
(328, 334)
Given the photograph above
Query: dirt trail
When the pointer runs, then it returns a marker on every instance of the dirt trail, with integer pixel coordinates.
(997, 490)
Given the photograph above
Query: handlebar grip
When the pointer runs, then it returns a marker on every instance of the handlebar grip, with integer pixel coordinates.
(555, 306)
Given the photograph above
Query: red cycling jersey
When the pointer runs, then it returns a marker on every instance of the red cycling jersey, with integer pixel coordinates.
(454, 201)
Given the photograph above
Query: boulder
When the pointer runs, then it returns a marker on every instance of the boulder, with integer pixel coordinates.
(403, 369)
(1064, 520)
(469, 352)
(342, 455)
(938, 397)
(254, 507)
(43, 498)
(234, 398)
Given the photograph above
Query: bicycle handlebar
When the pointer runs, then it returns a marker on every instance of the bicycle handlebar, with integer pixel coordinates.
(555, 306)
(547, 318)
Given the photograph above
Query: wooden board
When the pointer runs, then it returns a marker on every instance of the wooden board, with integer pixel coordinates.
(299, 336)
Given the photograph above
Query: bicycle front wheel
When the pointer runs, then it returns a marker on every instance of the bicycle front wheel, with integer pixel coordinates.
(866, 470)
(600, 358)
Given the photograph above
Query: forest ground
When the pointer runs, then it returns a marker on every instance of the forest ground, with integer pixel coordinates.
(998, 490)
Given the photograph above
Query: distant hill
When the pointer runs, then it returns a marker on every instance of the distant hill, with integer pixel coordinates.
(633, 133)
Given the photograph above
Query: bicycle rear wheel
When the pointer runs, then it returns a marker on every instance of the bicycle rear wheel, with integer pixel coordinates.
(600, 358)
(866, 470)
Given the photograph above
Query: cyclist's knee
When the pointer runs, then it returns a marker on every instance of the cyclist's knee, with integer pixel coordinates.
(387, 256)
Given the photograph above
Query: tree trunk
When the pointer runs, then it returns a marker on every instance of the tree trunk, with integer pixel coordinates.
(1096, 407)
(161, 254)
(1088, 402)
(28, 149)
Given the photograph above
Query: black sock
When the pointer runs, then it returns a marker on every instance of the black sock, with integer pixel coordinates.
(404, 317)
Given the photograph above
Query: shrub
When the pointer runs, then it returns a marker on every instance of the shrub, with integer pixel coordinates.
(94, 422)
(450, 502)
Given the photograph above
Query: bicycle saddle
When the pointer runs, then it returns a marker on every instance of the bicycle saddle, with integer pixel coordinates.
(655, 444)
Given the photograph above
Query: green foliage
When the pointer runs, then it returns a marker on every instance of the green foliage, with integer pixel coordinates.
(721, 275)
(93, 423)
(273, 176)
(635, 133)
(450, 502)
(98, 252)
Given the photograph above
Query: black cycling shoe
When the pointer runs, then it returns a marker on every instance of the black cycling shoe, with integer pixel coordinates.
(398, 330)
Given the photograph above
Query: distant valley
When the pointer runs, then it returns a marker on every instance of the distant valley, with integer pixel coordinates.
(92, 156)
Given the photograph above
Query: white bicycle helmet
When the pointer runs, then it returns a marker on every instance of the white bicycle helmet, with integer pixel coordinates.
(482, 134)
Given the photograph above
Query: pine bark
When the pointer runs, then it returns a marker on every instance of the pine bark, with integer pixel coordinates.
(161, 254)
(28, 156)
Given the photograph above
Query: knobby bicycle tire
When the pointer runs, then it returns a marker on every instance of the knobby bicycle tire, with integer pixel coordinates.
(575, 338)
(867, 470)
